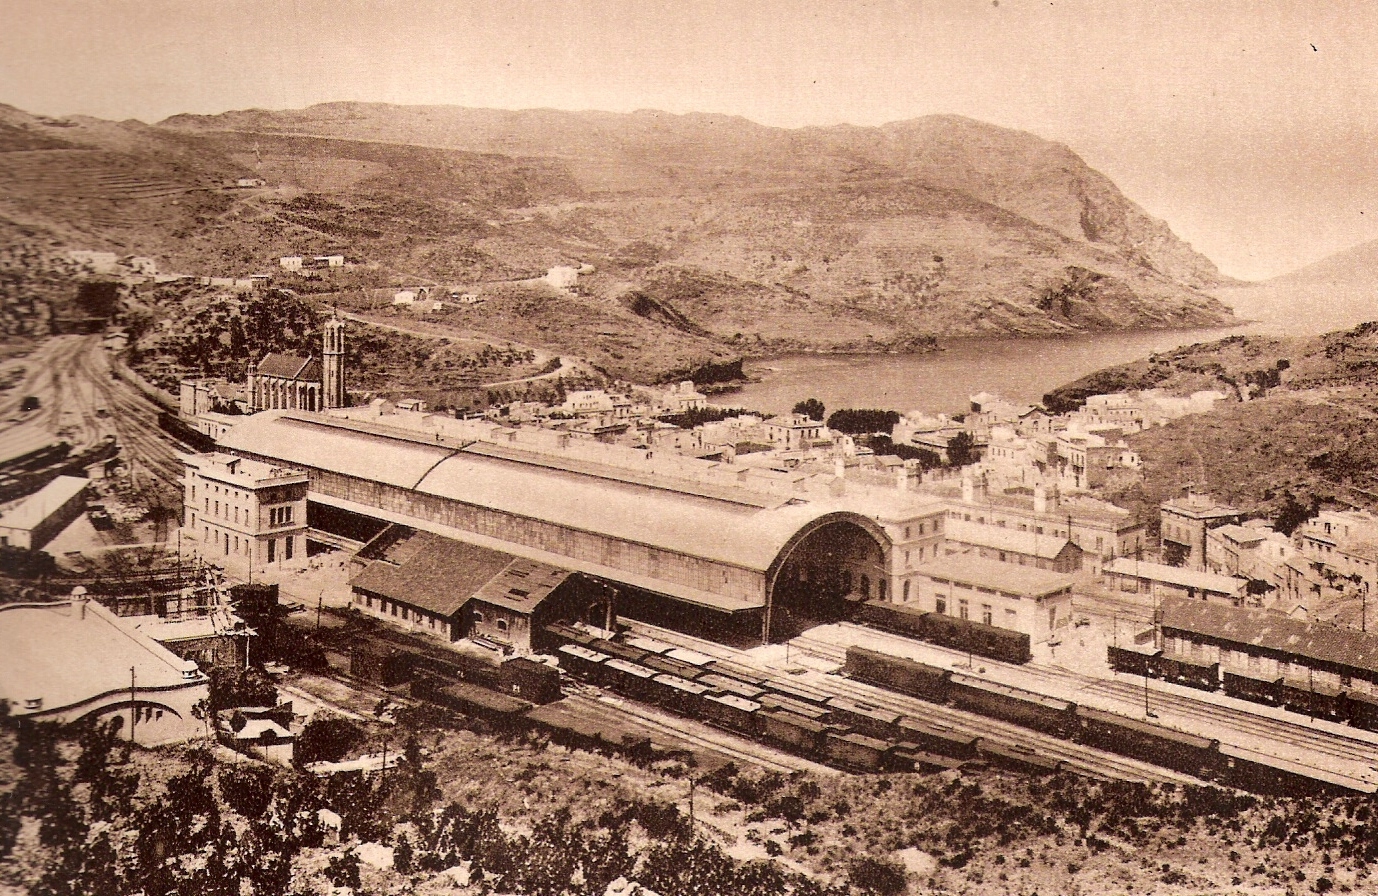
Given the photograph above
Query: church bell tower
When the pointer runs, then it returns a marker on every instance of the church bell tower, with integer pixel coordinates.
(332, 363)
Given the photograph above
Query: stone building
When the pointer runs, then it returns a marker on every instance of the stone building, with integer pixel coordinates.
(244, 514)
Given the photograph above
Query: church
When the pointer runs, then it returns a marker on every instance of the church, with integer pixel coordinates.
(293, 383)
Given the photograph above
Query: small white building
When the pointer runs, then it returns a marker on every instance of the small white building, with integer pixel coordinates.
(794, 431)
(35, 520)
(1019, 598)
(290, 263)
(404, 297)
(563, 277)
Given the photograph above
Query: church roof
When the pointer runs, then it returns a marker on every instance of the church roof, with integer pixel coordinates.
(292, 367)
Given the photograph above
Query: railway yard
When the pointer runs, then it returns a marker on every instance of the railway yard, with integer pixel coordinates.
(76, 393)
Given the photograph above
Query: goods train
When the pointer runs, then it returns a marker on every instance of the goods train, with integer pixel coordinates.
(1319, 701)
(839, 731)
(1202, 757)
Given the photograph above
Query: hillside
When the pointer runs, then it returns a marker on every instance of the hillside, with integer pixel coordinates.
(711, 237)
(1335, 292)
(1306, 429)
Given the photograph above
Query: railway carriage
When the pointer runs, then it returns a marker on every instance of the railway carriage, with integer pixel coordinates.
(1259, 690)
(865, 718)
(731, 712)
(774, 701)
(617, 650)
(1047, 714)
(939, 738)
(857, 752)
(1146, 741)
(670, 666)
(1020, 758)
(583, 662)
(797, 733)
(728, 685)
(1315, 699)
(1205, 676)
(898, 674)
(679, 694)
(629, 678)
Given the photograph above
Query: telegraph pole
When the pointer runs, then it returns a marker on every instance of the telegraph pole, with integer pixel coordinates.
(133, 707)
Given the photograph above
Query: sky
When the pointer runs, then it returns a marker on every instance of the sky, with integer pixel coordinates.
(1249, 127)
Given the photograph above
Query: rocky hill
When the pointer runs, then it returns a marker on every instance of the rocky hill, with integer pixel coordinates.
(710, 237)
(1299, 421)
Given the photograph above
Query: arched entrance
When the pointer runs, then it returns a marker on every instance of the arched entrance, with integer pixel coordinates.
(834, 561)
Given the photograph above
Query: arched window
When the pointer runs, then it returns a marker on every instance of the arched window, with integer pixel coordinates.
(906, 591)
(865, 586)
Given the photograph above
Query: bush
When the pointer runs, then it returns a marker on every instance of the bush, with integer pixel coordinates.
(327, 740)
(882, 877)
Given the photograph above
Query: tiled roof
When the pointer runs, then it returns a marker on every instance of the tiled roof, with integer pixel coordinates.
(437, 574)
(1175, 575)
(292, 367)
(1273, 631)
(1000, 538)
(1009, 578)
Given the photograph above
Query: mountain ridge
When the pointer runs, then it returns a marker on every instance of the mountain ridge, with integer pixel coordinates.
(710, 237)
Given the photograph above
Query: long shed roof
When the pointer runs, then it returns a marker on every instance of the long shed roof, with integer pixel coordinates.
(698, 523)
(1273, 631)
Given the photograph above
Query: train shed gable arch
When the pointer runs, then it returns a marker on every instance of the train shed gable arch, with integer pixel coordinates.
(830, 556)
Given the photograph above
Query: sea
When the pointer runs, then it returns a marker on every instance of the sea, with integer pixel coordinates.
(1021, 370)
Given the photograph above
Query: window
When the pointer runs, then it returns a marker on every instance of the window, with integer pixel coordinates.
(502, 625)
(1010, 617)
(865, 586)
(937, 525)
(906, 533)
(880, 587)
(906, 592)
(940, 605)
(963, 611)
(287, 547)
(280, 516)
(986, 615)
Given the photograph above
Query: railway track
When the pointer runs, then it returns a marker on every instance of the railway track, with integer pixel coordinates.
(1082, 760)
(1293, 740)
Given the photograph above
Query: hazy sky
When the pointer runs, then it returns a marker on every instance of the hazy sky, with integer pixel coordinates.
(1252, 128)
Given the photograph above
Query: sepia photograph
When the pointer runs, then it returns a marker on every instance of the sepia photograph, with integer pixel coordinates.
(688, 447)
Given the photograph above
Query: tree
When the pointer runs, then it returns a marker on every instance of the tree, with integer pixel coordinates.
(961, 450)
(1293, 513)
(811, 408)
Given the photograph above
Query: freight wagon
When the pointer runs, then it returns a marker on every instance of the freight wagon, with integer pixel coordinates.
(1020, 758)
(731, 712)
(735, 686)
(938, 738)
(865, 717)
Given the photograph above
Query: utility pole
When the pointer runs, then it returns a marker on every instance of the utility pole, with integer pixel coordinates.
(133, 707)
(1148, 713)
(692, 783)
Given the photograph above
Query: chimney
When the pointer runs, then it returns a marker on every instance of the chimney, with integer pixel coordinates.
(901, 479)
(1040, 499)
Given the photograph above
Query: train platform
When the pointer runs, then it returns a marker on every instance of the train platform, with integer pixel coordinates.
(1317, 743)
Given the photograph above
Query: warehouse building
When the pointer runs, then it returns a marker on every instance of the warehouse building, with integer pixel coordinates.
(37, 519)
(705, 540)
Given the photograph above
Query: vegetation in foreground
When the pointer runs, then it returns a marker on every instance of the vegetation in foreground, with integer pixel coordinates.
(86, 814)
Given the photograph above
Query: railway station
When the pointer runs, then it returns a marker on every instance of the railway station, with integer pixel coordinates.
(708, 546)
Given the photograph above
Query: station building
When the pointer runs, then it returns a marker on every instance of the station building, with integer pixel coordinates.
(1024, 599)
(244, 514)
(687, 541)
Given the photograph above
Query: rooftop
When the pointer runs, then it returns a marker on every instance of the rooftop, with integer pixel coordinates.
(1245, 535)
(425, 570)
(1001, 538)
(1175, 575)
(65, 653)
(292, 367)
(241, 471)
(36, 508)
(695, 517)
(1201, 507)
(1008, 578)
(1274, 631)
